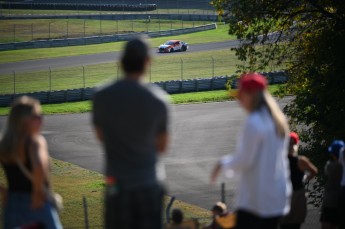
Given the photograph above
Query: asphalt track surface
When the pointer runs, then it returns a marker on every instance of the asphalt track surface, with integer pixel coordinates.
(200, 135)
(90, 59)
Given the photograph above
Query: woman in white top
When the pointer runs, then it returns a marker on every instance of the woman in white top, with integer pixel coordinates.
(260, 161)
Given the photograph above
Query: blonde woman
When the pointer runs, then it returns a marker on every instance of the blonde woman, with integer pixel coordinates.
(260, 161)
(23, 148)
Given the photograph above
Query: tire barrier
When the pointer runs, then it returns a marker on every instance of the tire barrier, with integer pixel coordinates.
(98, 39)
(69, 6)
(171, 87)
(274, 77)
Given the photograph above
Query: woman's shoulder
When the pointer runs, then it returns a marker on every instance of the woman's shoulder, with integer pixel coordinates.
(38, 141)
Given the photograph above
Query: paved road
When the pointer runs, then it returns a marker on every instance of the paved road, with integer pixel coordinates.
(201, 134)
(43, 64)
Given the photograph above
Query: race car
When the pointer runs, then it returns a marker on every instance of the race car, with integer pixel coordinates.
(173, 46)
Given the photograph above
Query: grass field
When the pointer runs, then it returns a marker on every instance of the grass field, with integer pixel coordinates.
(73, 182)
(217, 35)
(165, 67)
(185, 98)
(43, 29)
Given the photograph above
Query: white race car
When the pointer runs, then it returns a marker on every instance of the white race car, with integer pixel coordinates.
(173, 46)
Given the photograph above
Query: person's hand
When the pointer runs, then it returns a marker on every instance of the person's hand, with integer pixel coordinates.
(215, 172)
(38, 198)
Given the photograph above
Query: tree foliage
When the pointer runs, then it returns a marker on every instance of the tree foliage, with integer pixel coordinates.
(307, 38)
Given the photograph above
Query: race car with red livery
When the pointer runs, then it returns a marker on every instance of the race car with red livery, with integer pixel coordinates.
(173, 46)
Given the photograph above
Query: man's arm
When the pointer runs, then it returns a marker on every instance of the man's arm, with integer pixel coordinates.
(162, 142)
(99, 134)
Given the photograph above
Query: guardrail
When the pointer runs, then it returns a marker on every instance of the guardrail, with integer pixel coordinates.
(171, 87)
(131, 16)
(99, 39)
(68, 6)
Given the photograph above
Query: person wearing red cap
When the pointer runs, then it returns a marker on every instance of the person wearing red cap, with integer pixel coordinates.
(260, 161)
(301, 170)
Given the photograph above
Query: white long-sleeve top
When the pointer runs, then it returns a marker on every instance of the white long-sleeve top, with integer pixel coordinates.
(262, 167)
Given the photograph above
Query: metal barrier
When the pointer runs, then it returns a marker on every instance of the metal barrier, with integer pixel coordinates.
(99, 39)
(171, 87)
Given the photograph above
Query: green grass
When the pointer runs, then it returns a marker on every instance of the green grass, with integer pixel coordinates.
(73, 182)
(185, 98)
(217, 35)
(8, 12)
(164, 67)
(43, 29)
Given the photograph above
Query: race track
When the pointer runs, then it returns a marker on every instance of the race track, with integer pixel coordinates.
(201, 134)
(61, 62)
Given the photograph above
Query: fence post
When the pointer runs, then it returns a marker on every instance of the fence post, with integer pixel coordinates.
(212, 66)
(223, 192)
(50, 79)
(86, 214)
(167, 211)
(84, 27)
(83, 77)
(67, 29)
(159, 26)
(32, 31)
(49, 29)
(14, 82)
(14, 33)
(181, 69)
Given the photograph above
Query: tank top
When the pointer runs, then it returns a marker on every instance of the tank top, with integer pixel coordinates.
(16, 179)
(296, 175)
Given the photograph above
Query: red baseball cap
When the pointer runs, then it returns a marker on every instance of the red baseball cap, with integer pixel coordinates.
(252, 82)
(295, 137)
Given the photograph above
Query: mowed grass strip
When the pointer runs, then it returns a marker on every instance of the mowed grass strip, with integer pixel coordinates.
(164, 67)
(185, 98)
(74, 182)
(216, 35)
(43, 29)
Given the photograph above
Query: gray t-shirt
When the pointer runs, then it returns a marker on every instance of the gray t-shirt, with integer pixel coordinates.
(131, 115)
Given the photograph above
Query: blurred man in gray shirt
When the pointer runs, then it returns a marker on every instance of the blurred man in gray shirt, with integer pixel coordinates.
(131, 120)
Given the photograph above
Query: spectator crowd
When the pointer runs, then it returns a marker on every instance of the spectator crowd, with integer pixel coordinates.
(131, 121)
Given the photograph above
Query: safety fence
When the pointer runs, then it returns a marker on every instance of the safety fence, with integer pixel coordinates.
(171, 87)
(78, 6)
(50, 33)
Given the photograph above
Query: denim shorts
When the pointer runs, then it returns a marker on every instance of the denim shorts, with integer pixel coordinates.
(18, 212)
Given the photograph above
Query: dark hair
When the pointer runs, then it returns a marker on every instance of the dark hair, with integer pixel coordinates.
(177, 216)
(136, 52)
(217, 209)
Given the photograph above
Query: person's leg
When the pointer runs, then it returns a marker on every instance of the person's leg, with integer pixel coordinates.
(290, 226)
(270, 223)
(247, 220)
(147, 207)
(342, 209)
(117, 209)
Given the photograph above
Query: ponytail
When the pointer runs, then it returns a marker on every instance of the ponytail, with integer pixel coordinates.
(279, 119)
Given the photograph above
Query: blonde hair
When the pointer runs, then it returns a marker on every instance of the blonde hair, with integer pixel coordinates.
(265, 99)
(13, 140)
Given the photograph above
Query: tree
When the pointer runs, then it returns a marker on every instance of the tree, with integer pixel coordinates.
(307, 38)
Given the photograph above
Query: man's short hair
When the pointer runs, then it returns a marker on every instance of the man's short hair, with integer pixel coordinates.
(136, 52)
(177, 216)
